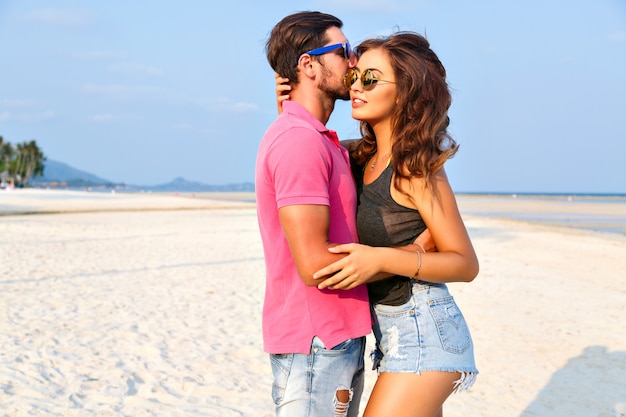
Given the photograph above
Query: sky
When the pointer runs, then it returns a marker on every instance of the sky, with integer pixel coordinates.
(143, 92)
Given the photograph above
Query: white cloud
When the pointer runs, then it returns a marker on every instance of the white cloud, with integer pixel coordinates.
(102, 118)
(183, 126)
(243, 107)
(134, 68)
(123, 92)
(227, 104)
(617, 36)
(27, 117)
(99, 55)
(111, 118)
(58, 17)
(374, 6)
(24, 110)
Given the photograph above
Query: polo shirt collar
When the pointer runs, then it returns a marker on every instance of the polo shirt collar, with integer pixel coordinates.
(300, 112)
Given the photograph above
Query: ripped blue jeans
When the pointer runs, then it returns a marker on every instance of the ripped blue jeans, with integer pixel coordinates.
(326, 382)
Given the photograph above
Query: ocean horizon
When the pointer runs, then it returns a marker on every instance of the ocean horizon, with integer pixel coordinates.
(598, 212)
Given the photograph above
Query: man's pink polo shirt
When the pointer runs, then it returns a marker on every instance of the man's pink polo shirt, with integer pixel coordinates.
(300, 161)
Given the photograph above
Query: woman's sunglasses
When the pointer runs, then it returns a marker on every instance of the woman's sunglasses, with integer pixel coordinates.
(345, 47)
(368, 79)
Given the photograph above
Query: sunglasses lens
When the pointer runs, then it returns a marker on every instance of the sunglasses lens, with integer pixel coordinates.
(347, 51)
(350, 78)
(368, 80)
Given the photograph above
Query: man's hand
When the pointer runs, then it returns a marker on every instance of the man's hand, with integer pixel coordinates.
(425, 242)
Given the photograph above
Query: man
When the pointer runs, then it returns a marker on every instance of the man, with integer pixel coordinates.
(306, 198)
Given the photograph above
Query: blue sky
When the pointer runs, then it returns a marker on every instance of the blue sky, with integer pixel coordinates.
(143, 92)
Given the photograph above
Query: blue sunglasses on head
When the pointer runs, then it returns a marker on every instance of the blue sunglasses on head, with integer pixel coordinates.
(347, 51)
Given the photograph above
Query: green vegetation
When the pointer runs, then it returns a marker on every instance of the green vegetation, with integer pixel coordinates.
(18, 164)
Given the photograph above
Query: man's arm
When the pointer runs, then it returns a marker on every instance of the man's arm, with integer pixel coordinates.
(361, 270)
(306, 229)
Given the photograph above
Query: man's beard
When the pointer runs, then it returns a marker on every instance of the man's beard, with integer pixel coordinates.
(332, 88)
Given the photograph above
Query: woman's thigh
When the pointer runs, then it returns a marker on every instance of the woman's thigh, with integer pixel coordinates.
(411, 395)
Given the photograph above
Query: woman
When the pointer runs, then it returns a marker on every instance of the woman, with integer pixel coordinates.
(424, 350)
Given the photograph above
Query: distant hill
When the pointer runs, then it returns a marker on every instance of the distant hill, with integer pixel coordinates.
(60, 175)
(183, 185)
(55, 171)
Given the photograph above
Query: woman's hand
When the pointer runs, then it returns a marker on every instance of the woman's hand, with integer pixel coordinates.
(356, 269)
(282, 91)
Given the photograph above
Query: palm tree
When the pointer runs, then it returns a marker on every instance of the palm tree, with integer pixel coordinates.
(6, 154)
(29, 162)
(20, 163)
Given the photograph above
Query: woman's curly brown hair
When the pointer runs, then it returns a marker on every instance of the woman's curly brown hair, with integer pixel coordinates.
(420, 143)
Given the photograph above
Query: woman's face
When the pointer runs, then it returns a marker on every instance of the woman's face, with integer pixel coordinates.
(376, 103)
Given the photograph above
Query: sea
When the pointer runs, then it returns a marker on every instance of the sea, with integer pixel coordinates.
(605, 213)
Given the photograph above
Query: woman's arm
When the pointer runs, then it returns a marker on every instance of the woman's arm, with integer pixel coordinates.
(454, 260)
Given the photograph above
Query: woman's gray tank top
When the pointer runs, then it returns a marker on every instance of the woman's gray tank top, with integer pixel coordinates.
(383, 222)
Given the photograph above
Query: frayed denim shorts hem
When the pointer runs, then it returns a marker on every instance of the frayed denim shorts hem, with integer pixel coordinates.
(427, 333)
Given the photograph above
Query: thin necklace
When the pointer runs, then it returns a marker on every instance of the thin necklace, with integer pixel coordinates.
(376, 160)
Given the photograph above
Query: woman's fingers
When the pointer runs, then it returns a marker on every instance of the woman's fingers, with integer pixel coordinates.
(329, 269)
(282, 91)
(335, 266)
(344, 248)
(338, 281)
(340, 275)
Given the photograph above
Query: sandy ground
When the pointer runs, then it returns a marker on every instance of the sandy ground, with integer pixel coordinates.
(141, 305)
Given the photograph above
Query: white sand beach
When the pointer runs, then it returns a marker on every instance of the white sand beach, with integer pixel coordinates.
(150, 305)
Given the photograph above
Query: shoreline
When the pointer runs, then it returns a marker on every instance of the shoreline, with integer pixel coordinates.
(39, 201)
(591, 213)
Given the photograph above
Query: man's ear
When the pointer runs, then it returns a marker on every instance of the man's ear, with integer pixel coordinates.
(305, 60)
(306, 67)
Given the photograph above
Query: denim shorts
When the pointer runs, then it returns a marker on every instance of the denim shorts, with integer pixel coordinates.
(306, 385)
(427, 333)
